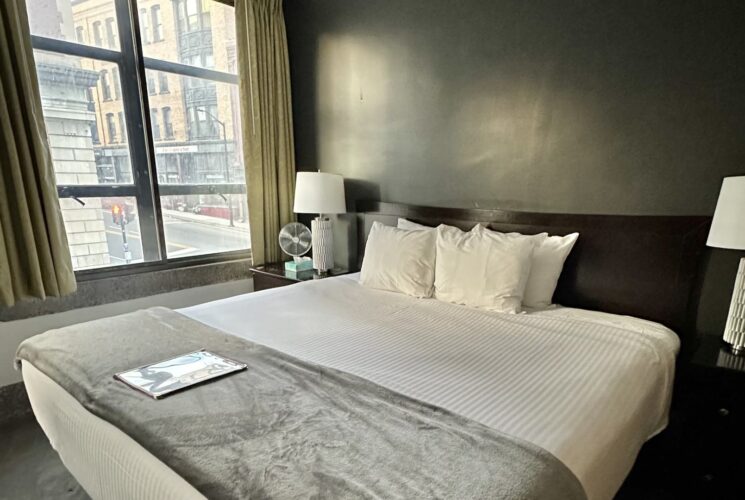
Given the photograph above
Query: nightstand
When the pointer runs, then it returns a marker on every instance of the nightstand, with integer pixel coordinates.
(701, 454)
(710, 406)
(274, 275)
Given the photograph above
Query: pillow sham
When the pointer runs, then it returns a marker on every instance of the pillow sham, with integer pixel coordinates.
(398, 260)
(481, 269)
(412, 226)
(549, 255)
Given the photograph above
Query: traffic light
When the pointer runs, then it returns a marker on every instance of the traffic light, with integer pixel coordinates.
(116, 213)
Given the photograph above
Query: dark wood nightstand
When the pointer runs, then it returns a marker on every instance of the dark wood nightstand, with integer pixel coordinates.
(711, 400)
(274, 275)
(702, 452)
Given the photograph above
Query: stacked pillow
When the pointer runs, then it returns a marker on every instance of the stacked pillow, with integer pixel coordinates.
(399, 260)
(480, 268)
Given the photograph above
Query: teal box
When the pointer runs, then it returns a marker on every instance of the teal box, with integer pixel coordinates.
(303, 265)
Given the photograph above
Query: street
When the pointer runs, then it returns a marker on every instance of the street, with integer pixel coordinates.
(183, 238)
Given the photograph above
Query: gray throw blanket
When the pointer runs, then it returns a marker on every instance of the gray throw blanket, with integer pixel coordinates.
(285, 428)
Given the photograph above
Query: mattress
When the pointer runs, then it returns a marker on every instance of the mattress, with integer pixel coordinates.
(591, 396)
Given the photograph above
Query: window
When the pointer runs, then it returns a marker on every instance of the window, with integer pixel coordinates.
(144, 26)
(202, 208)
(157, 23)
(193, 11)
(202, 122)
(122, 127)
(97, 37)
(93, 126)
(111, 33)
(117, 84)
(154, 124)
(167, 125)
(198, 40)
(105, 85)
(163, 82)
(111, 126)
(150, 83)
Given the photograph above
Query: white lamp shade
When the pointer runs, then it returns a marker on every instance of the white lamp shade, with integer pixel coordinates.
(728, 227)
(319, 193)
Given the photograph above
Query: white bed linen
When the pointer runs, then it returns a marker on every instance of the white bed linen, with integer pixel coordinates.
(589, 395)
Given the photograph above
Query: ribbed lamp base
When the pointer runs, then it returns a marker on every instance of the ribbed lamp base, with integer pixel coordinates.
(734, 331)
(323, 244)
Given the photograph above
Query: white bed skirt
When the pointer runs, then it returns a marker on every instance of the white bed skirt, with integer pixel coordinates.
(107, 463)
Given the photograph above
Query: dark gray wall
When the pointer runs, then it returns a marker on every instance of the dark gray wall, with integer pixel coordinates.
(604, 107)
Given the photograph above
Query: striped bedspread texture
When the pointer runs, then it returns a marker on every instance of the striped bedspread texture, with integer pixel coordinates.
(588, 388)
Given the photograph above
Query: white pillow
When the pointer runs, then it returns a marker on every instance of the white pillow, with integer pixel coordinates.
(399, 261)
(481, 268)
(412, 226)
(549, 255)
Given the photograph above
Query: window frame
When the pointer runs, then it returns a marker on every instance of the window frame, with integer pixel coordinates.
(135, 107)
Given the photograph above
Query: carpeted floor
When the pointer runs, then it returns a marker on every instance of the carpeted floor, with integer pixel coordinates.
(30, 469)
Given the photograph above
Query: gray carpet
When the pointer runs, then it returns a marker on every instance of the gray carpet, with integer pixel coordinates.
(30, 469)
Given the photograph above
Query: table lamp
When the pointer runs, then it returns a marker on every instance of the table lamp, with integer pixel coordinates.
(320, 193)
(728, 231)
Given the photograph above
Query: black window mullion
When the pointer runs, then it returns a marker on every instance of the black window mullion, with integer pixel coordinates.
(75, 49)
(141, 148)
(192, 71)
(96, 190)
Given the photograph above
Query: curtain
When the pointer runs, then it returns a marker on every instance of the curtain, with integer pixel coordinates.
(266, 112)
(34, 256)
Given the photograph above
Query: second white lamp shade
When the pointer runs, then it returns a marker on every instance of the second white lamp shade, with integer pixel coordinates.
(319, 193)
(728, 226)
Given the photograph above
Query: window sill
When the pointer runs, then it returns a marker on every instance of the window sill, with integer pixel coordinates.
(108, 285)
(167, 264)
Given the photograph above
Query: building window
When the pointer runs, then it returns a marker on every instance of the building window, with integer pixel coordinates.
(167, 124)
(192, 16)
(154, 124)
(93, 127)
(117, 83)
(203, 122)
(95, 95)
(144, 28)
(97, 36)
(122, 127)
(105, 85)
(111, 33)
(150, 82)
(157, 23)
(163, 82)
(111, 127)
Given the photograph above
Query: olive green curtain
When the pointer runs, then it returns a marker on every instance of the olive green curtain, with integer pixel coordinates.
(34, 257)
(266, 111)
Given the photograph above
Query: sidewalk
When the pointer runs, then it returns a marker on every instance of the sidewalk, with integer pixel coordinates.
(207, 220)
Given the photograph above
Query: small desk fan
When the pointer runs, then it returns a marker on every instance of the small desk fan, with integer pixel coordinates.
(295, 240)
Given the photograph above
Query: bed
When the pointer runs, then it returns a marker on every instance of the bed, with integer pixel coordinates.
(588, 387)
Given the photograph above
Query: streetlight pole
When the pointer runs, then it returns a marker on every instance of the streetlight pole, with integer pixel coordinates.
(225, 160)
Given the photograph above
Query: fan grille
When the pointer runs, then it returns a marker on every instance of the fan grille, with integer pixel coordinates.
(295, 239)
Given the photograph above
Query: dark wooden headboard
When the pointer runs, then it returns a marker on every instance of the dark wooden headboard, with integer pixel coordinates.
(638, 265)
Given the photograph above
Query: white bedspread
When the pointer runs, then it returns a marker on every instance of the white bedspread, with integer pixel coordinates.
(589, 395)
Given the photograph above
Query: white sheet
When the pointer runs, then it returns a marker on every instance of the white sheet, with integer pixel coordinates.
(588, 387)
